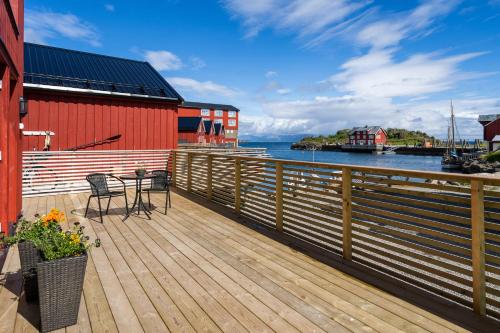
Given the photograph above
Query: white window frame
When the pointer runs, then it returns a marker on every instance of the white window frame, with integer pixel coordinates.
(218, 121)
(219, 113)
(231, 114)
(232, 123)
(205, 112)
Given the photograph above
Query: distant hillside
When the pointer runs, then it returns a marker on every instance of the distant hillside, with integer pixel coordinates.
(395, 136)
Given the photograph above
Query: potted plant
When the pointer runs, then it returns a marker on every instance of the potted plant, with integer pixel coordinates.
(140, 170)
(60, 267)
(60, 276)
(27, 234)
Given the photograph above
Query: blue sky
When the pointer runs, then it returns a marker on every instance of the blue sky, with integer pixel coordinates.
(302, 67)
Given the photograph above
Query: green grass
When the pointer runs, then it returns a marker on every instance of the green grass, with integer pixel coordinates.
(493, 157)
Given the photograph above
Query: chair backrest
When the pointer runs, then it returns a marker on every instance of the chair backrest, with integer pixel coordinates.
(98, 183)
(160, 182)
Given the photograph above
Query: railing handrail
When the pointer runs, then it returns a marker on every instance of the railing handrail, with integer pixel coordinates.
(402, 172)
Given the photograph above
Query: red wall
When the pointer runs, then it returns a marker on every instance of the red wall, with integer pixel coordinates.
(491, 130)
(11, 74)
(82, 119)
(188, 137)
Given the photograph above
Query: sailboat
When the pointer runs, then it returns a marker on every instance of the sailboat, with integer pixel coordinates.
(451, 160)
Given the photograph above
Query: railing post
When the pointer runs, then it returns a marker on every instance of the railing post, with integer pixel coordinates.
(478, 247)
(174, 168)
(209, 176)
(347, 213)
(279, 196)
(237, 185)
(189, 171)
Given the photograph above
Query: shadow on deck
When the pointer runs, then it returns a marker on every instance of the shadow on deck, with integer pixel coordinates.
(202, 268)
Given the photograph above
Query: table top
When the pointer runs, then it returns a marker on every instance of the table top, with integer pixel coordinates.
(133, 176)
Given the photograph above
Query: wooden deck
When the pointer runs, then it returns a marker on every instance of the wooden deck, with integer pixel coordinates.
(199, 270)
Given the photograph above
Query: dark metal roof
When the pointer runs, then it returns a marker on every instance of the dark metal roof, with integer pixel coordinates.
(199, 105)
(368, 129)
(488, 118)
(208, 126)
(189, 124)
(51, 66)
(219, 128)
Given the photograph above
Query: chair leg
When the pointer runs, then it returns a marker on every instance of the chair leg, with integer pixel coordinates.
(166, 202)
(126, 203)
(100, 209)
(149, 200)
(169, 200)
(87, 209)
(107, 208)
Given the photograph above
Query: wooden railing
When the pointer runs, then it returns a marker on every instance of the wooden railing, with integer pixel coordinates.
(437, 231)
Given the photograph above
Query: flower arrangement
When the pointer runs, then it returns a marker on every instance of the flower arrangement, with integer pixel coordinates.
(46, 234)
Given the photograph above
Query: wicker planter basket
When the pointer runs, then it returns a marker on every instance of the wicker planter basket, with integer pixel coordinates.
(60, 284)
(29, 257)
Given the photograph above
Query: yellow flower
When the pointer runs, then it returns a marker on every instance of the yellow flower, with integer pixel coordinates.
(75, 239)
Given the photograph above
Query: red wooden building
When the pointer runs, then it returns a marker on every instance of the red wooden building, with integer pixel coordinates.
(226, 115)
(209, 131)
(96, 102)
(11, 90)
(191, 130)
(368, 135)
(491, 128)
(220, 134)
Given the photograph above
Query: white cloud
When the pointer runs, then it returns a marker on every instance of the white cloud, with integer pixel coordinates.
(378, 74)
(197, 63)
(109, 7)
(42, 25)
(283, 91)
(203, 88)
(163, 60)
(390, 31)
(271, 74)
(302, 17)
(325, 115)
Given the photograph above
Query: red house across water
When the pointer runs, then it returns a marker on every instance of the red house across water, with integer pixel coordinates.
(368, 135)
(491, 128)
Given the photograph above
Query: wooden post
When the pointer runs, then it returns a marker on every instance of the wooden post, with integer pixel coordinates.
(279, 196)
(174, 167)
(210, 159)
(189, 171)
(347, 213)
(237, 185)
(478, 247)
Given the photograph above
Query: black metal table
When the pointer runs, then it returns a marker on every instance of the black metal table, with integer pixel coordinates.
(138, 202)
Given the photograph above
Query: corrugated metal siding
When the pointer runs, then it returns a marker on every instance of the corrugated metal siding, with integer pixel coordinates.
(78, 120)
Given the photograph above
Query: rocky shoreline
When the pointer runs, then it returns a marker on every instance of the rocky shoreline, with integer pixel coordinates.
(480, 166)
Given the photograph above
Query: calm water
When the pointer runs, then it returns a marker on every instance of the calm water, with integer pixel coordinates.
(282, 150)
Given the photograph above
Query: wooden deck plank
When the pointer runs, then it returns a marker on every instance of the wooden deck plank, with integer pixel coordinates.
(11, 280)
(123, 312)
(211, 306)
(197, 270)
(166, 308)
(97, 308)
(189, 308)
(283, 310)
(289, 286)
(276, 251)
(349, 294)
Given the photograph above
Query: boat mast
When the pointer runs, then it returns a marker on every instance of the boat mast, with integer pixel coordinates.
(452, 128)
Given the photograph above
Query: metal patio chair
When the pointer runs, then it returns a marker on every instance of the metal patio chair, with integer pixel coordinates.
(100, 189)
(161, 183)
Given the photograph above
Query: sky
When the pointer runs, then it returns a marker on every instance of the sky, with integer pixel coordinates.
(298, 67)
